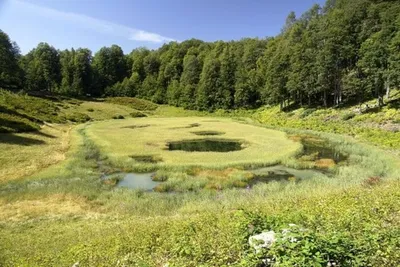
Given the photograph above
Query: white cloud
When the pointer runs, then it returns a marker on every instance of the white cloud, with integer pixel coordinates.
(98, 25)
(149, 37)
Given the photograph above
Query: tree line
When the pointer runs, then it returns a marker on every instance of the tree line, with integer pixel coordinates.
(347, 50)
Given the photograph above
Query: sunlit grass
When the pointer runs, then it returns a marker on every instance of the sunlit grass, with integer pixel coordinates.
(119, 140)
(24, 154)
(65, 213)
(101, 110)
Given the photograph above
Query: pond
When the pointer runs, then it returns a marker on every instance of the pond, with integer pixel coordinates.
(206, 145)
(320, 151)
(282, 173)
(314, 150)
(137, 181)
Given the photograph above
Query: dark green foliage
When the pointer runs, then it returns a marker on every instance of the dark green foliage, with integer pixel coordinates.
(76, 72)
(42, 69)
(109, 67)
(11, 75)
(346, 51)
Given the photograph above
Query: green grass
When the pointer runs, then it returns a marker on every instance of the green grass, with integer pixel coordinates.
(100, 110)
(65, 213)
(23, 113)
(23, 154)
(119, 140)
(132, 102)
(322, 121)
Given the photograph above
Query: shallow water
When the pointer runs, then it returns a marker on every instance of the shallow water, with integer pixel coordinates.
(323, 151)
(313, 149)
(138, 181)
(206, 145)
(283, 173)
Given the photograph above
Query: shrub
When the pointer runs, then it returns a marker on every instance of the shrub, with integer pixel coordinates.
(138, 114)
(118, 117)
(303, 247)
(307, 112)
(348, 116)
(77, 117)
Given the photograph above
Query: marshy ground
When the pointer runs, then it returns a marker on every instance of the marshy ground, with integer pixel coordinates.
(62, 202)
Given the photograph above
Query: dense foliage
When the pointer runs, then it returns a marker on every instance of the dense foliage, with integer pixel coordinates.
(346, 51)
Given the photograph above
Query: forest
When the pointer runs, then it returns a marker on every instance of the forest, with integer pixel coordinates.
(343, 52)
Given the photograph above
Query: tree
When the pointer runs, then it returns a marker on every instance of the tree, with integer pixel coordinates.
(344, 51)
(149, 87)
(226, 92)
(137, 57)
(189, 80)
(42, 69)
(374, 63)
(11, 76)
(209, 81)
(109, 67)
(76, 72)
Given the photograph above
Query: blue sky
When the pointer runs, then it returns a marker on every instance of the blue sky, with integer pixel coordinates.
(133, 23)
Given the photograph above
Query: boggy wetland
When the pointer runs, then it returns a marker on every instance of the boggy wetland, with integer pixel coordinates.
(311, 155)
(281, 150)
(181, 186)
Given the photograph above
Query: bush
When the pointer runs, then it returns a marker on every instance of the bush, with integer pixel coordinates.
(307, 112)
(138, 114)
(118, 117)
(77, 117)
(302, 247)
(348, 116)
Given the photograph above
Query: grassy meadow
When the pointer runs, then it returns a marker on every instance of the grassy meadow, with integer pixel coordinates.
(55, 210)
(24, 154)
(122, 140)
